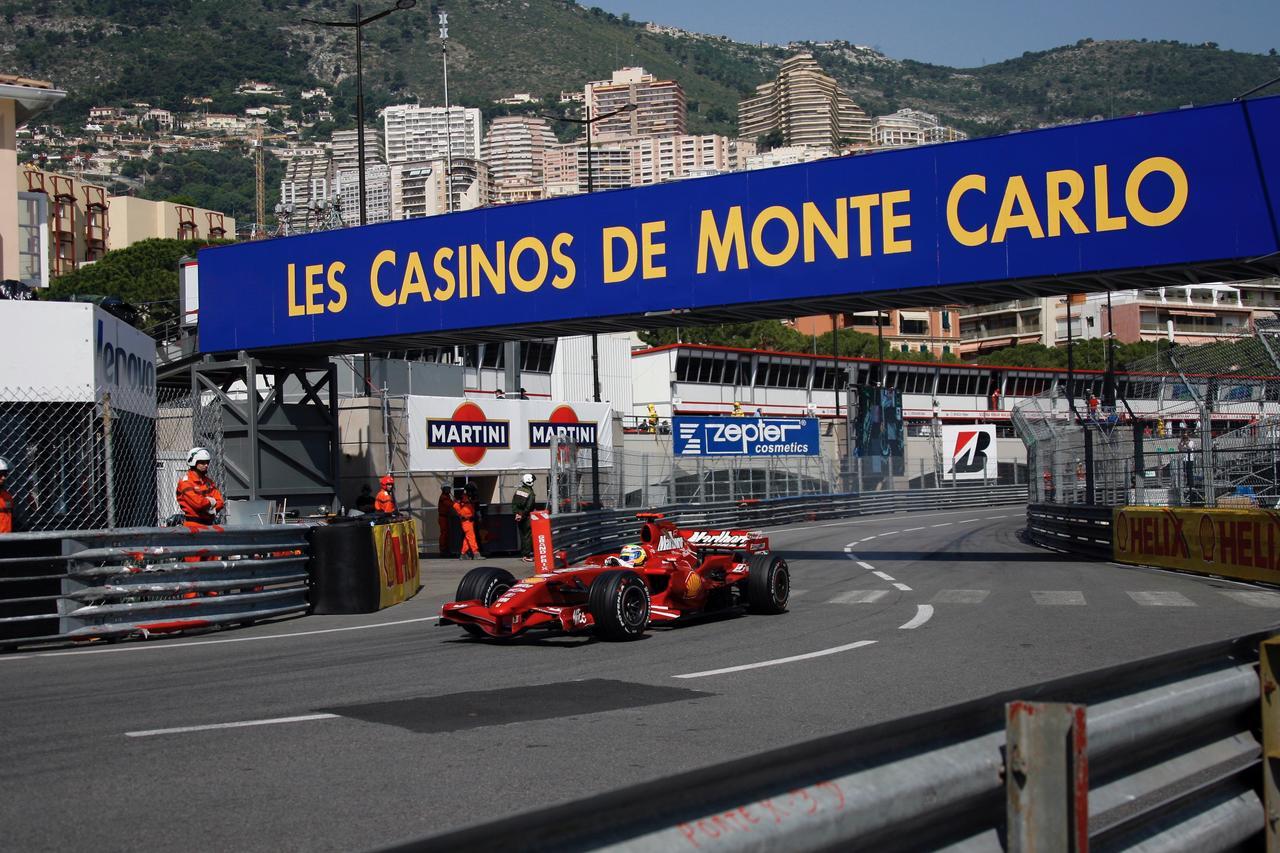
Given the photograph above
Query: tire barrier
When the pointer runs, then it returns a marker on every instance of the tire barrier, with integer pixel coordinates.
(1075, 528)
(83, 585)
(584, 533)
(1162, 753)
(358, 567)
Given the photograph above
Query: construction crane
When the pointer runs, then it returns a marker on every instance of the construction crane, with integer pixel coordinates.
(259, 172)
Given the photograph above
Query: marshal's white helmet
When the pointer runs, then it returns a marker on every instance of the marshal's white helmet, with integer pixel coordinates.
(197, 454)
(4, 465)
(527, 479)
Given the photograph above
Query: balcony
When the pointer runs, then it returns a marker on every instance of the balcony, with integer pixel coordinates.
(996, 307)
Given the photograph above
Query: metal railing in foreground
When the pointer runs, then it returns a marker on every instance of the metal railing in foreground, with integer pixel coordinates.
(592, 532)
(1161, 754)
(1075, 528)
(113, 584)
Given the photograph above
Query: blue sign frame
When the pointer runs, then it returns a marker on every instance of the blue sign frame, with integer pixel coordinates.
(745, 436)
(1181, 188)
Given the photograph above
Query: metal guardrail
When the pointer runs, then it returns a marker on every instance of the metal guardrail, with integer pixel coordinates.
(80, 585)
(1161, 754)
(1076, 528)
(592, 532)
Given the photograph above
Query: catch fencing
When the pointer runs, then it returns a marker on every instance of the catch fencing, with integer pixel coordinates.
(581, 534)
(632, 479)
(108, 464)
(1178, 752)
(1192, 426)
(105, 585)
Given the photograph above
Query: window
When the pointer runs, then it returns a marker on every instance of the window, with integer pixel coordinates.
(946, 348)
(946, 325)
(924, 348)
(537, 356)
(906, 348)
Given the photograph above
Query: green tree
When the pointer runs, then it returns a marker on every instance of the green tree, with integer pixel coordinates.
(145, 275)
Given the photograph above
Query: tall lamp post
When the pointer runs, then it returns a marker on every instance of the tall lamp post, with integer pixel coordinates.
(595, 340)
(358, 25)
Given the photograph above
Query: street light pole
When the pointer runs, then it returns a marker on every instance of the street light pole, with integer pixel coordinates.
(358, 25)
(448, 116)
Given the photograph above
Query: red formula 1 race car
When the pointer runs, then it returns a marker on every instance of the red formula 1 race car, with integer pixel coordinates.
(669, 574)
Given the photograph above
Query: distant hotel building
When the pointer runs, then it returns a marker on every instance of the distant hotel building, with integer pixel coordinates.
(418, 188)
(807, 107)
(413, 133)
(911, 127)
(660, 105)
(515, 148)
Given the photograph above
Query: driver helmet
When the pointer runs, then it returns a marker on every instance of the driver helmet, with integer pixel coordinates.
(527, 479)
(197, 455)
(633, 555)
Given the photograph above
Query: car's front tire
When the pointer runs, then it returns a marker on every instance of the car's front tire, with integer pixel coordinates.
(619, 604)
(485, 585)
(768, 584)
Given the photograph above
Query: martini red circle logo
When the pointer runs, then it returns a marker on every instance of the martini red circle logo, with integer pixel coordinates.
(564, 424)
(468, 433)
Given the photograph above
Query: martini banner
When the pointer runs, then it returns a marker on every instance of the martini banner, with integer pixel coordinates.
(449, 434)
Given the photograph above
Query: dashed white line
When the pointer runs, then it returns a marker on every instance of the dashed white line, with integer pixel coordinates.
(867, 566)
(911, 529)
(903, 587)
(924, 612)
(882, 576)
(890, 533)
(943, 524)
(859, 596)
(866, 539)
(1161, 598)
(305, 718)
(778, 661)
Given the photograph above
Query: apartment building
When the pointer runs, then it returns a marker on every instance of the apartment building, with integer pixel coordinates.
(806, 107)
(566, 168)
(345, 148)
(660, 105)
(377, 191)
(906, 330)
(412, 133)
(788, 155)
(911, 127)
(307, 186)
(667, 158)
(515, 148)
(418, 188)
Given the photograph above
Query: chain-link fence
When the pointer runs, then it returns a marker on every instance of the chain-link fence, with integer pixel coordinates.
(1192, 426)
(105, 464)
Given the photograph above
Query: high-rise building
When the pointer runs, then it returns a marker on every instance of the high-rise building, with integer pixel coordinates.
(806, 107)
(418, 188)
(305, 189)
(515, 148)
(660, 105)
(346, 148)
(412, 133)
(377, 193)
(667, 158)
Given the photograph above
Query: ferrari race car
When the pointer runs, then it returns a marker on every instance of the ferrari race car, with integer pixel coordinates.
(670, 574)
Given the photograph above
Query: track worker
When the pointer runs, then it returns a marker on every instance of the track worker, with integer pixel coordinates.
(444, 514)
(466, 512)
(385, 501)
(198, 496)
(524, 502)
(6, 499)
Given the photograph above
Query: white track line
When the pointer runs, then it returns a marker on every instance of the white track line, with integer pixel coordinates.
(924, 612)
(882, 576)
(240, 725)
(867, 566)
(903, 587)
(943, 524)
(863, 520)
(777, 661)
(155, 645)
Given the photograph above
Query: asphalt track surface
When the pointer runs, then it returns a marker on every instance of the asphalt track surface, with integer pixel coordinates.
(342, 733)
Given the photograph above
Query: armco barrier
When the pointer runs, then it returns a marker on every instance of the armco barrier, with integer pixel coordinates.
(87, 584)
(592, 532)
(1161, 753)
(1075, 528)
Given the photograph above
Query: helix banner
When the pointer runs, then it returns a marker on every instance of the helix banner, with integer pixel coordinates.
(1236, 543)
(396, 548)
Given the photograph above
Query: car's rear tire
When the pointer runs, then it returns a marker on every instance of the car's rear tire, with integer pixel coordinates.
(768, 584)
(619, 604)
(485, 585)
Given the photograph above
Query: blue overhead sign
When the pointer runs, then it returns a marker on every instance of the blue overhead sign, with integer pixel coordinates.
(1178, 188)
(730, 436)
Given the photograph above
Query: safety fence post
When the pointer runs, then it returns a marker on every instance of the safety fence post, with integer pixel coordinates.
(644, 481)
(109, 460)
(1089, 481)
(1046, 777)
(1270, 660)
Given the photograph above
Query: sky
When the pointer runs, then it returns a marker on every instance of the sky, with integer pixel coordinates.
(968, 33)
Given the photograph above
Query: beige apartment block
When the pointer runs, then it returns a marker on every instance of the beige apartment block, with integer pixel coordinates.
(660, 105)
(515, 148)
(21, 100)
(807, 107)
(136, 219)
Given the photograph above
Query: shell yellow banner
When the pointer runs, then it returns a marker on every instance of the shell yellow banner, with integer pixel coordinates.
(1234, 543)
(396, 548)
